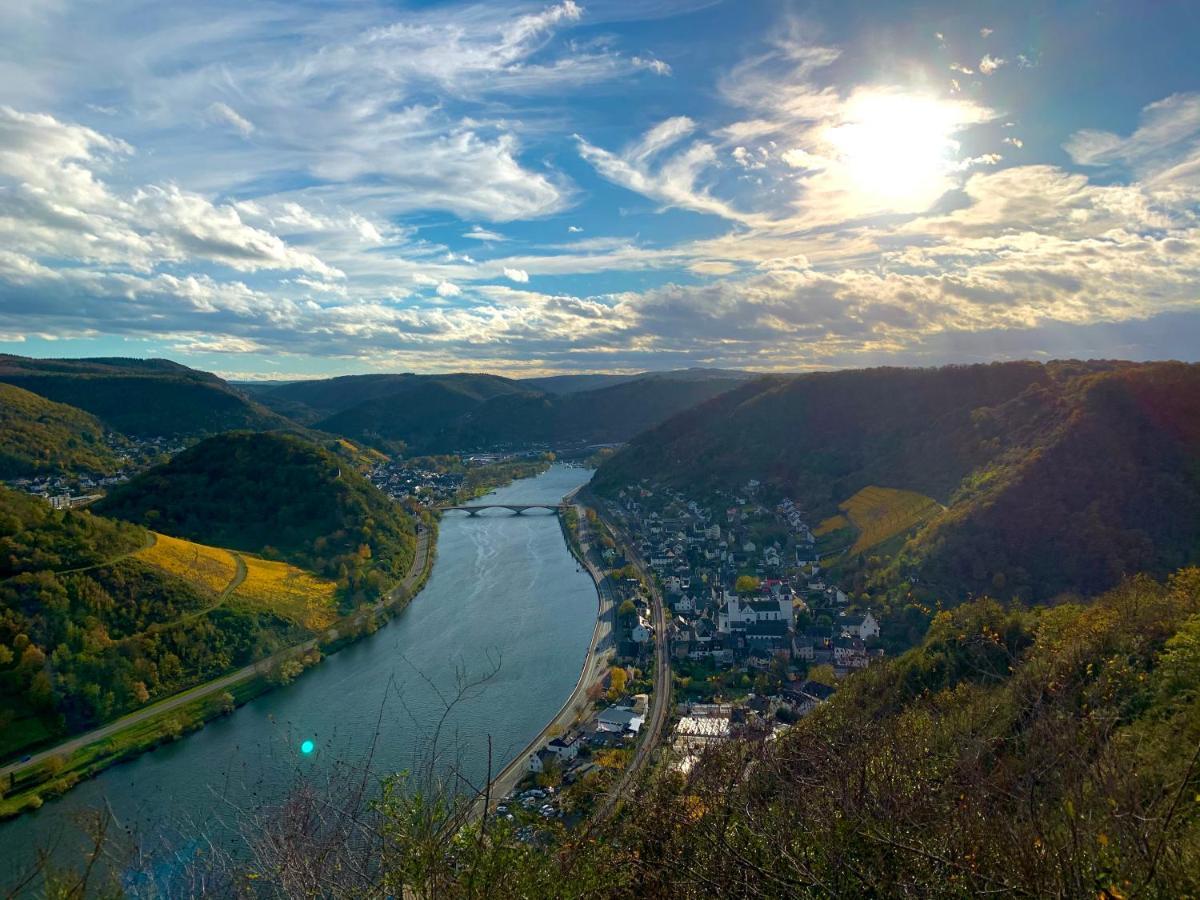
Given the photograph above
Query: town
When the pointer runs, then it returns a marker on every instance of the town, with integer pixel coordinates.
(757, 636)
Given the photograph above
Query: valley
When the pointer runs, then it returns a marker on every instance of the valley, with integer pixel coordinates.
(758, 570)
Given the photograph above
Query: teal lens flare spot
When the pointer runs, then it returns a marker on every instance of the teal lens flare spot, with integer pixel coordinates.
(307, 747)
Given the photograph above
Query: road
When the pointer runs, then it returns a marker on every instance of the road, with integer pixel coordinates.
(660, 701)
(420, 560)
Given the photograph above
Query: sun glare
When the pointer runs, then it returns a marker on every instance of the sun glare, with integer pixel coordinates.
(898, 148)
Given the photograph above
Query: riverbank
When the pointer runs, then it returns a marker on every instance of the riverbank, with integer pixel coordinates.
(595, 662)
(26, 784)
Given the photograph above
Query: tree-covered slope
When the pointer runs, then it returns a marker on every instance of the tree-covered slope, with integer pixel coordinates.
(40, 436)
(1058, 477)
(424, 418)
(311, 401)
(90, 630)
(279, 495)
(141, 397)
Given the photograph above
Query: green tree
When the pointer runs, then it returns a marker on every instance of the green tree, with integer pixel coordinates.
(823, 674)
(746, 584)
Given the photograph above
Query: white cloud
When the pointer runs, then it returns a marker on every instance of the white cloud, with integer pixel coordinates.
(657, 66)
(57, 206)
(222, 113)
(482, 234)
(986, 32)
(673, 181)
(990, 64)
(802, 159)
(448, 289)
(1164, 127)
(574, 229)
(518, 275)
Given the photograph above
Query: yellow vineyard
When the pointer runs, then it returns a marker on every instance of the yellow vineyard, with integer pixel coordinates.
(288, 592)
(208, 567)
(882, 513)
(830, 525)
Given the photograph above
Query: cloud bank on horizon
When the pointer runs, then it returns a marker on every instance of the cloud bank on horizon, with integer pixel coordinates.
(288, 189)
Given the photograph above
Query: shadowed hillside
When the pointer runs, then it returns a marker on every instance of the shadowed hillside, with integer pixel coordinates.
(141, 396)
(1058, 477)
(442, 414)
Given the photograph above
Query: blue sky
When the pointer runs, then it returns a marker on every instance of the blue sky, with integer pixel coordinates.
(289, 189)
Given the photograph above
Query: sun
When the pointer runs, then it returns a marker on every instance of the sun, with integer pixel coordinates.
(897, 148)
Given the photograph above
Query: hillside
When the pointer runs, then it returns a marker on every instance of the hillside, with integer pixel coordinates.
(1037, 753)
(98, 618)
(140, 396)
(38, 436)
(311, 401)
(280, 496)
(1057, 477)
(436, 417)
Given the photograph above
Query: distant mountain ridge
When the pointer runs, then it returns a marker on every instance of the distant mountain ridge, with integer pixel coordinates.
(570, 384)
(310, 401)
(463, 411)
(441, 414)
(1057, 477)
(141, 396)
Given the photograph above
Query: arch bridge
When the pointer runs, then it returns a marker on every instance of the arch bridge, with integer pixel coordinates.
(515, 508)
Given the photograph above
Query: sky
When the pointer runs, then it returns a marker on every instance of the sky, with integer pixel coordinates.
(278, 190)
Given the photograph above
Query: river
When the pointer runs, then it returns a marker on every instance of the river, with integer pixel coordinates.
(504, 591)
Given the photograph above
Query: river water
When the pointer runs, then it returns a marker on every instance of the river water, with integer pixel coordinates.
(504, 592)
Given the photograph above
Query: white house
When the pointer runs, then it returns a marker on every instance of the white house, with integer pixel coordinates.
(865, 627)
(540, 760)
(565, 748)
(736, 613)
(641, 632)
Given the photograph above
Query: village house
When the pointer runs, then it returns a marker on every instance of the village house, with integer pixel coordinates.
(864, 627)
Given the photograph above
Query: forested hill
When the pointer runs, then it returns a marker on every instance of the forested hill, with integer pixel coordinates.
(310, 401)
(436, 416)
(40, 436)
(1057, 477)
(95, 621)
(278, 495)
(141, 396)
